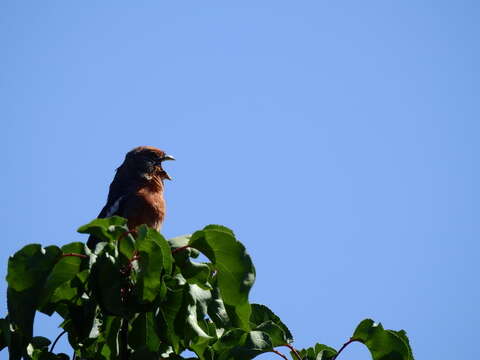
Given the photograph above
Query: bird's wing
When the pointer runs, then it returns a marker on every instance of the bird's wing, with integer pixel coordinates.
(111, 208)
(116, 193)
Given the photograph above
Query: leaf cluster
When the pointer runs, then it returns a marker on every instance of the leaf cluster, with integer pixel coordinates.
(140, 296)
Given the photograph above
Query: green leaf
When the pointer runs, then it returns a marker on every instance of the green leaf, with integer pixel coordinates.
(108, 339)
(80, 319)
(154, 256)
(4, 333)
(317, 352)
(144, 333)
(216, 309)
(238, 344)
(194, 272)
(39, 342)
(64, 270)
(106, 283)
(167, 258)
(38, 349)
(179, 241)
(106, 229)
(253, 344)
(144, 354)
(219, 228)
(169, 317)
(170, 303)
(30, 265)
(236, 273)
(275, 333)
(197, 303)
(28, 270)
(70, 291)
(402, 334)
(261, 318)
(126, 245)
(229, 340)
(383, 344)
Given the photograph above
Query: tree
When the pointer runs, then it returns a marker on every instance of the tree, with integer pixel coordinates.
(139, 296)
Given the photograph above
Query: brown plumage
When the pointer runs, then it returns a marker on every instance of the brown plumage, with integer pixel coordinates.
(136, 192)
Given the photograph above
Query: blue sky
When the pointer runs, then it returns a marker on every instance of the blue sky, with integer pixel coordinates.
(338, 139)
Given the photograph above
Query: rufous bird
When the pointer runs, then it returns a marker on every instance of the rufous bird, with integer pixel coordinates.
(136, 192)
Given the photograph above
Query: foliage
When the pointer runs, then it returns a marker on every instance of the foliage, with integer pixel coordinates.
(139, 296)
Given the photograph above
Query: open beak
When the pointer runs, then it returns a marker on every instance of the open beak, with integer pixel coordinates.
(167, 157)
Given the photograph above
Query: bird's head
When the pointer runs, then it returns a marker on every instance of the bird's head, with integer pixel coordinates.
(147, 161)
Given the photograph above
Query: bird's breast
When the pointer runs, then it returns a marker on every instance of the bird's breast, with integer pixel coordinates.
(150, 209)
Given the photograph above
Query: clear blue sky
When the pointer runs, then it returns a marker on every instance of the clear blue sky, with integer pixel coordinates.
(338, 139)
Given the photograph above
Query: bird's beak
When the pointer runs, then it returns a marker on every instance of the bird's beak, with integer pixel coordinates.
(167, 157)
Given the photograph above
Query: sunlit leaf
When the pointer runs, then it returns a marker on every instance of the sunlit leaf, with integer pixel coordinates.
(106, 229)
(383, 344)
(236, 273)
(140, 295)
(28, 270)
(317, 352)
(154, 256)
(262, 318)
(66, 268)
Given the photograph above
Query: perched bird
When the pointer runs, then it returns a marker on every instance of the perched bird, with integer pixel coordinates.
(136, 192)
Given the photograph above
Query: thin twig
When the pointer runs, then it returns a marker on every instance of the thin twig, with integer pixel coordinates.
(279, 354)
(344, 346)
(76, 255)
(180, 249)
(58, 338)
(135, 257)
(292, 349)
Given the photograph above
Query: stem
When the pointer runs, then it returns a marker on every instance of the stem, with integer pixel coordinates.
(135, 256)
(58, 338)
(76, 255)
(344, 346)
(292, 349)
(180, 249)
(279, 354)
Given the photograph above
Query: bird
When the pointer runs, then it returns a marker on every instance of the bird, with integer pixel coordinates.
(136, 192)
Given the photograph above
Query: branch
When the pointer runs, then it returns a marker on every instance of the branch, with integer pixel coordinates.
(135, 257)
(292, 349)
(180, 249)
(76, 255)
(279, 354)
(58, 338)
(344, 346)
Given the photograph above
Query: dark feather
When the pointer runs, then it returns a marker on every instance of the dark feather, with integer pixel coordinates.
(136, 191)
